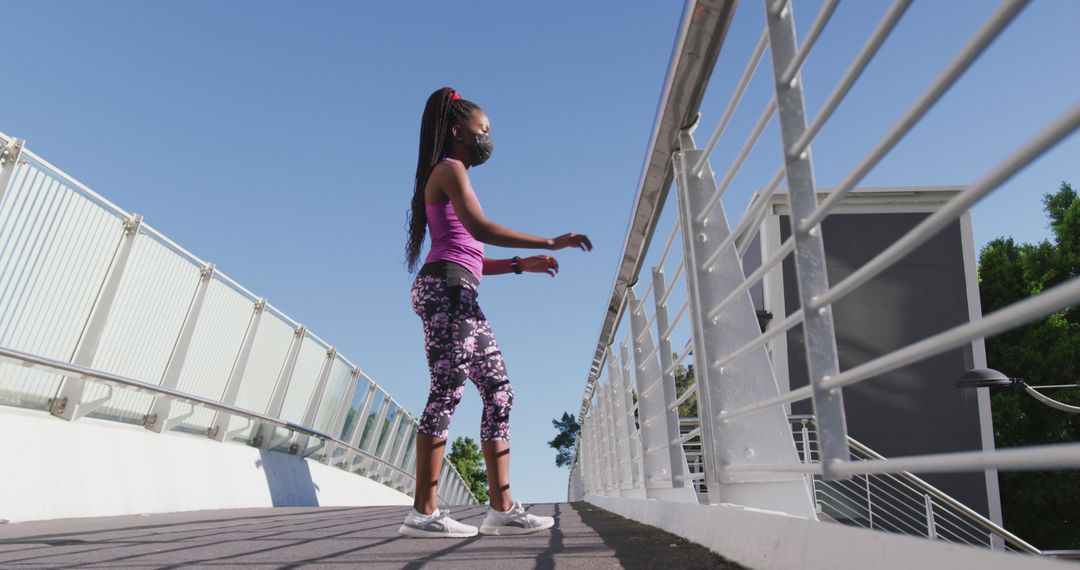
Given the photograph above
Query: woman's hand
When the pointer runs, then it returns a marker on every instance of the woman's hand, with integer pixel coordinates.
(540, 264)
(572, 239)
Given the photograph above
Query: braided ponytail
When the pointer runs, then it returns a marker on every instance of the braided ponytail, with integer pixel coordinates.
(443, 111)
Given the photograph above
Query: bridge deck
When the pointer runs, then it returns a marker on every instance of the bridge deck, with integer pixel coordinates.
(584, 537)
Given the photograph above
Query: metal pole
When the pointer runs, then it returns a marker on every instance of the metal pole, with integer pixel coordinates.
(67, 403)
(301, 444)
(219, 427)
(810, 267)
(869, 502)
(620, 429)
(339, 417)
(158, 417)
(931, 526)
(264, 437)
(623, 384)
(611, 443)
(676, 454)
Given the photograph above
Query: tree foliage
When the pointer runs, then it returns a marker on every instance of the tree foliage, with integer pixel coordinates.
(467, 458)
(684, 378)
(567, 431)
(1041, 507)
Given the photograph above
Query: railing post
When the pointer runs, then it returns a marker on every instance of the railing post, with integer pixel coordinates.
(219, 427)
(931, 526)
(592, 456)
(158, 418)
(760, 438)
(676, 454)
(357, 428)
(625, 381)
(342, 412)
(810, 268)
(869, 502)
(300, 446)
(610, 443)
(663, 461)
(264, 438)
(67, 403)
(620, 429)
(9, 159)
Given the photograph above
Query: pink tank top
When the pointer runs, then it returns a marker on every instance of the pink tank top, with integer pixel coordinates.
(450, 241)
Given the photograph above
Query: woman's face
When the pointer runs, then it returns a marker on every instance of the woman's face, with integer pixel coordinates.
(476, 125)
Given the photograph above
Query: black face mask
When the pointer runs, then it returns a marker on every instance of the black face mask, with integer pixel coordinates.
(481, 149)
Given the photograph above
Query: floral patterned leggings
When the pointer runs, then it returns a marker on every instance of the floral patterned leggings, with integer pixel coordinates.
(460, 345)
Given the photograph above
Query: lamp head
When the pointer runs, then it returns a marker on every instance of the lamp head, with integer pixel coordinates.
(985, 378)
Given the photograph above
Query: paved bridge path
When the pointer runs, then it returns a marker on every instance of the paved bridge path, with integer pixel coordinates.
(340, 537)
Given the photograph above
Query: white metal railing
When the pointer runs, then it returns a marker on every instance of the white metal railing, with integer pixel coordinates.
(633, 442)
(92, 298)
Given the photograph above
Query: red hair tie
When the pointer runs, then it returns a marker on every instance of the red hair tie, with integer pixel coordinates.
(455, 97)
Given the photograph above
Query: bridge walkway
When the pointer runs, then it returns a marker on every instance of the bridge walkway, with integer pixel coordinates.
(336, 537)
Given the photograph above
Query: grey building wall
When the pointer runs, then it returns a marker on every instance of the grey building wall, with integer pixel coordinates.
(915, 409)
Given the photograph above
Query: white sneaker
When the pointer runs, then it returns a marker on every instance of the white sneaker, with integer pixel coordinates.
(436, 525)
(514, 521)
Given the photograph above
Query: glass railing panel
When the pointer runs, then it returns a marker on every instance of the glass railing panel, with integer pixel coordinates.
(271, 346)
(56, 244)
(215, 344)
(152, 301)
(336, 384)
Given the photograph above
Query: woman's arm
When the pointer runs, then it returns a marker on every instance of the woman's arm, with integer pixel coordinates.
(534, 264)
(454, 182)
(496, 266)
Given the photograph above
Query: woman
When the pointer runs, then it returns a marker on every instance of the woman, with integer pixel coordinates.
(455, 136)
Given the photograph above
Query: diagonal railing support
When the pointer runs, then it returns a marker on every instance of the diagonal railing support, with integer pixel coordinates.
(755, 438)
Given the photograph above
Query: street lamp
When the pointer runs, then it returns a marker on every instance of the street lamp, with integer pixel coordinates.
(990, 378)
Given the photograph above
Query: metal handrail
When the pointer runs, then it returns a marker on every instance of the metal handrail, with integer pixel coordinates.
(927, 488)
(940, 495)
(36, 362)
(702, 31)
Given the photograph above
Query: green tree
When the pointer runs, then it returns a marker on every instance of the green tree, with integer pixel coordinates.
(465, 456)
(684, 378)
(567, 431)
(1041, 507)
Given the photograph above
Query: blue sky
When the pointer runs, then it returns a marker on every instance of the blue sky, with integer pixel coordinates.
(278, 140)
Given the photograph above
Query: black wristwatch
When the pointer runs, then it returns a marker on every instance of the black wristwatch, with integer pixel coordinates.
(515, 265)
